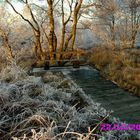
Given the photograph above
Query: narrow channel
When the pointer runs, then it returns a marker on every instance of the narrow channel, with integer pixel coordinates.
(110, 96)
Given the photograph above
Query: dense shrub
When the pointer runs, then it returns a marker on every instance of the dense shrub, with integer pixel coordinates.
(101, 57)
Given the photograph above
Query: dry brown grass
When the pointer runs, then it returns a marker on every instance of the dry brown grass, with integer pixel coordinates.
(3, 60)
(122, 66)
(25, 58)
(101, 57)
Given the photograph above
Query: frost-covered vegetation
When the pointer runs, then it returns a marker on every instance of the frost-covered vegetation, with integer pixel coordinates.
(50, 107)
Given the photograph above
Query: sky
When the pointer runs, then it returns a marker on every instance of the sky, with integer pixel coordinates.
(19, 5)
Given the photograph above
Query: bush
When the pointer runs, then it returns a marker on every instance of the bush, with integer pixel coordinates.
(101, 57)
(12, 73)
(25, 58)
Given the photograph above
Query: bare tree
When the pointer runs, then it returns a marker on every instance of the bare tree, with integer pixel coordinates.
(52, 35)
(5, 31)
(35, 27)
(116, 22)
(129, 22)
(134, 7)
(106, 14)
(6, 44)
(68, 33)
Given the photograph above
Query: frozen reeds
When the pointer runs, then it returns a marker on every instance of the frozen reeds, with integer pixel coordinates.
(49, 108)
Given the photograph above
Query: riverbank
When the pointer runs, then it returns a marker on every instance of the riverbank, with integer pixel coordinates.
(121, 67)
(50, 107)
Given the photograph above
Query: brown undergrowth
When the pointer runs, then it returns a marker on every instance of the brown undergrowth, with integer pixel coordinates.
(122, 67)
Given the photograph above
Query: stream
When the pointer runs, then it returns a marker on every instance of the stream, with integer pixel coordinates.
(110, 96)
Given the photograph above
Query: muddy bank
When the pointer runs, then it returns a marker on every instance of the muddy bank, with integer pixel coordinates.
(121, 67)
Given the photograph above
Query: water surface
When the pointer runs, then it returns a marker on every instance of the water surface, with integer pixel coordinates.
(111, 97)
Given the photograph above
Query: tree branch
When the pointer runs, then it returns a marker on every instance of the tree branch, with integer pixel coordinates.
(20, 15)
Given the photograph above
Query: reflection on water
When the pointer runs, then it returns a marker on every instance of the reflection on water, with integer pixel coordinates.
(111, 97)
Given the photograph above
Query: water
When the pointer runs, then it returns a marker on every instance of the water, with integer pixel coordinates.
(111, 97)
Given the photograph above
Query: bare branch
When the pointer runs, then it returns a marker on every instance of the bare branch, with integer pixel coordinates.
(20, 14)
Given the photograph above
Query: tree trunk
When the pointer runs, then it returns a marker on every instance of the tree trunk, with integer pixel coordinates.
(7, 46)
(75, 20)
(135, 20)
(113, 33)
(63, 30)
(10, 55)
(51, 48)
(38, 48)
(133, 39)
(74, 31)
(52, 35)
